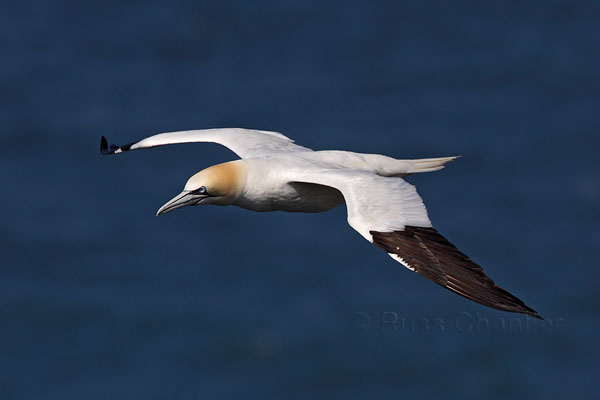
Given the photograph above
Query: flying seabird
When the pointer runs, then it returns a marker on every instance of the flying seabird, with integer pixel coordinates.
(276, 174)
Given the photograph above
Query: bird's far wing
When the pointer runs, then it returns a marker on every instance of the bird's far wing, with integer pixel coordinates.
(389, 213)
(244, 142)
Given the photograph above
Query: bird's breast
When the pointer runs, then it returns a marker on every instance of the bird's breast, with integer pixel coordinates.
(292, 197)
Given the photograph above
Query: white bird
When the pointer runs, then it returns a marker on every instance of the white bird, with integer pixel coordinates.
(276, 174)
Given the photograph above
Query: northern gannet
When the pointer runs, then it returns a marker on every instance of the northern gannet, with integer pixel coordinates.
(276, 174)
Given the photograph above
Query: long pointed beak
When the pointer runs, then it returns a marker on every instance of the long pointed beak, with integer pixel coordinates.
(183, 199)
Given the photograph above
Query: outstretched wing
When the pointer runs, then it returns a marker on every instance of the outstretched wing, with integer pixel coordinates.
(389, 213)
(245, 143)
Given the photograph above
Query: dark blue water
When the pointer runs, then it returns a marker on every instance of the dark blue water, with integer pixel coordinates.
(100, 299)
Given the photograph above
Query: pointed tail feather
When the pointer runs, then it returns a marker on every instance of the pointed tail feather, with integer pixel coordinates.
(407, 167)
(430, 164)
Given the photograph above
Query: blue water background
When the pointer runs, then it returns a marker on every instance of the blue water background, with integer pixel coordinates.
(100, 299)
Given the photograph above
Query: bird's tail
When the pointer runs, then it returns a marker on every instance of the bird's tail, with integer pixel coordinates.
(428, 164)
(401, 168)
(384, 165)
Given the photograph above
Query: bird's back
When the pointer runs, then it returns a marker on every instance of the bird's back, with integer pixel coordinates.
(376, 163)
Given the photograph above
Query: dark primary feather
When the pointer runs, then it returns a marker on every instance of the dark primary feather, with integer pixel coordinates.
(434, 257)
(106, 148)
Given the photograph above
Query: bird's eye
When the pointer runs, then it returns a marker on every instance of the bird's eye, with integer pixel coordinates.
(202, 190)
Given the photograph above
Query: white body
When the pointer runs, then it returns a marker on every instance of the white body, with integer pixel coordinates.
(276, 174)
(278, 182)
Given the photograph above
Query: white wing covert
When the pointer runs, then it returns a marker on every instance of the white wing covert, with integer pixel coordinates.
(389, 213)
(245, 143)
(374, 203)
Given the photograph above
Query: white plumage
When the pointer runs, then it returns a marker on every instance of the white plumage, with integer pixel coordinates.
(276, 174)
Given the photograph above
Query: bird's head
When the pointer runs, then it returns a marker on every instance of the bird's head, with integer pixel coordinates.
(220, 184)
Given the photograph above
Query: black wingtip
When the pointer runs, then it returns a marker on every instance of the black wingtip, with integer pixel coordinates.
(527, 310)
(536, 315)
(106, 148)
(431, 255)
